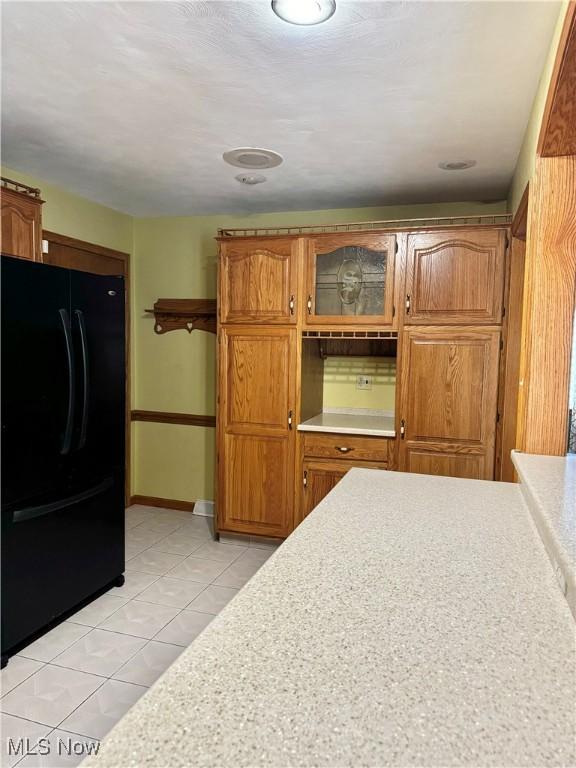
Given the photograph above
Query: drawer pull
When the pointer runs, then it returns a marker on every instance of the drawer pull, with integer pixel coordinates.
(343, 448)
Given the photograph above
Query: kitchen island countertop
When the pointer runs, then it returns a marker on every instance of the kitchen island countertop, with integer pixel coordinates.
(409, 620)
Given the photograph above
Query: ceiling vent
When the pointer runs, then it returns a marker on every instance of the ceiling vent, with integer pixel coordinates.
(457, 165)
(250, 157)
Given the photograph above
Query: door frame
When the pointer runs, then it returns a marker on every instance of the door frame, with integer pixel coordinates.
(124, 259)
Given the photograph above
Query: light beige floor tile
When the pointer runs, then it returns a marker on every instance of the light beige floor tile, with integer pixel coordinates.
(184, 628)
(255, 556)
(66, 751)
(50, 695)
(179, 543)
(140, 619)
(149, 663)
(98, 610)
(18, 669)
(175, 592)
(136, 582)
(54, 642)
(223, 553)
(152, 561)
(212, 599)
(13, 729)
(196, 569)
(237, 574)
(98, 714)
(100, 652)
(142, 537)
(201, 527)
(131, 552)
(163, 527)
(261, 542)
(235, 538)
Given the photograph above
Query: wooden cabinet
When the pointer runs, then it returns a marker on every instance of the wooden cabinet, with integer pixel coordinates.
(449, 401)
(256, 430)
(455, 277)
(350, 279)
(21, 224)
(258, 280)
(319, 477)
(353, 447)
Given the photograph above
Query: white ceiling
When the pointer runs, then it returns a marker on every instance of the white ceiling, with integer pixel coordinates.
(132, 104)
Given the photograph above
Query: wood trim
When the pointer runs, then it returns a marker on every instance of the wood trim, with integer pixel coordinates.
(558, 128)
(157, 501)
(82, 245)
(520, 221)
(165, 417)
(549, 296)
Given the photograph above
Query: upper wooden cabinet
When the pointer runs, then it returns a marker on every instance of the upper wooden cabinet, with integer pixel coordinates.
(350, 279)
(258, 280)
(449, 401)
(455, 277)
(21, 224)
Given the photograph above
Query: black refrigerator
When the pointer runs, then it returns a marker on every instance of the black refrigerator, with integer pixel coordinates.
(63, 433)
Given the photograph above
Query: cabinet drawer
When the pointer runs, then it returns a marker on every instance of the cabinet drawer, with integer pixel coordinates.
(338, 446)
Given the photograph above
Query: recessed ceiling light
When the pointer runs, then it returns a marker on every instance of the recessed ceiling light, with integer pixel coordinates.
(251, 157)
(245, 178)
(457, 165)
(304, 12)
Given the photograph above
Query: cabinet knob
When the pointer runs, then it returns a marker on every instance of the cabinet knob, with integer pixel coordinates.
(309, 305)
(343, 448)
(402, 429)
(291, 304)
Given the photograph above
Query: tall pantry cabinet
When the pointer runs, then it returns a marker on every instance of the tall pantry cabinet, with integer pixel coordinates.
(438, 291)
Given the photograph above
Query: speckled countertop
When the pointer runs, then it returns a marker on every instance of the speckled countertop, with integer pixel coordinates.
(409, 621)
(352, 422)
(548, 484)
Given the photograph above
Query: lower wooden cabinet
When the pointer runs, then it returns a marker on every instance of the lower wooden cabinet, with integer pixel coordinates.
(21, 225)
(449, 401)
(319, 477)
(256, 430)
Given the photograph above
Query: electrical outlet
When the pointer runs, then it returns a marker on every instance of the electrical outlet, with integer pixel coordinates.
(363, 382)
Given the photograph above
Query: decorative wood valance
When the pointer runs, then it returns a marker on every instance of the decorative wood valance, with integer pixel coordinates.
(184, 314)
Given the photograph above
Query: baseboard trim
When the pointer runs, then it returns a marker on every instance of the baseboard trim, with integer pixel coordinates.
(156, 501)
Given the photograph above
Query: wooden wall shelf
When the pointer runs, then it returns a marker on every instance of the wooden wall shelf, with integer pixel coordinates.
(184, 314)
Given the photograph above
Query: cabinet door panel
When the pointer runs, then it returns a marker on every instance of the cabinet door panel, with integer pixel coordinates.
(21, 226)
(449, 401)
(455, 277)
(258, 484)
(321, 476)
(256, 444)
(350, 279)
(258, 281)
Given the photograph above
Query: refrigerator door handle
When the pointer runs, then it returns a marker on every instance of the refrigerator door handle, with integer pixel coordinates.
(85, 375)
(67, 439)
(29, 513)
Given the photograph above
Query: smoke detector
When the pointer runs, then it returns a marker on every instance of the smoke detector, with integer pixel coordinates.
(245, 178)
(251, 157)
(457, 165)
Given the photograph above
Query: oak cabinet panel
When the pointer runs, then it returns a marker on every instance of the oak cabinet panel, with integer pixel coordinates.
(258, 281)
(352, 447)
(449, 401)
(319, 477)
(21, 225)
(350, 279)
(256, 438)
(455, 277)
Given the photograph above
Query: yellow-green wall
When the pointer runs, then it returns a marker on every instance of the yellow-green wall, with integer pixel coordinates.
(527, 157)
(340, 375)
(176, 258)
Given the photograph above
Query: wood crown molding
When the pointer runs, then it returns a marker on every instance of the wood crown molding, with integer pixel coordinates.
(166, 417)
(558, 129)
(520, 222)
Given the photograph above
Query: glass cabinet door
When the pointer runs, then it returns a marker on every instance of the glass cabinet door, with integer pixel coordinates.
(351, 279)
